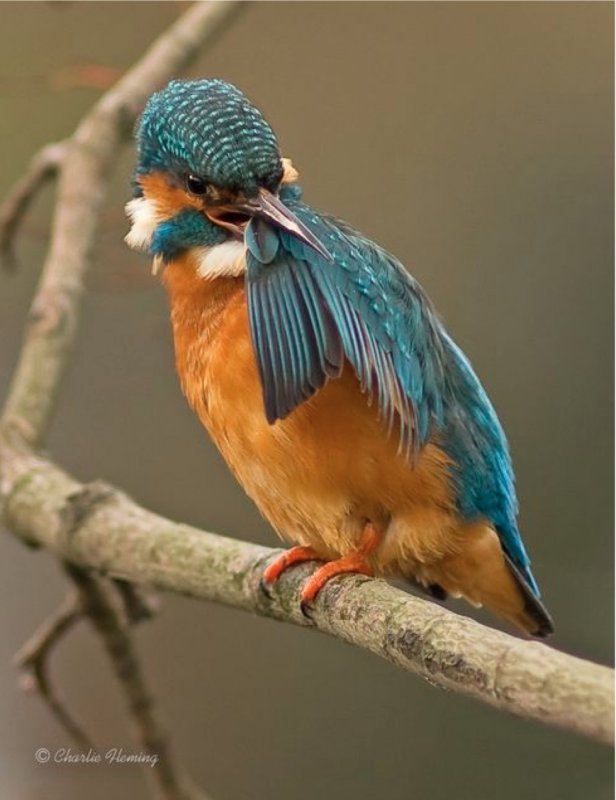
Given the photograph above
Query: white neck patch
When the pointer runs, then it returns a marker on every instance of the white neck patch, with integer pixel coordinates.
(144, 216)
(221, 260)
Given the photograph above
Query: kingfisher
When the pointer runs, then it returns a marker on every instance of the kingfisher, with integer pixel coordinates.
(320, 368)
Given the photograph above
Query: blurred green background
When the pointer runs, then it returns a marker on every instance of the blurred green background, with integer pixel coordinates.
(474, 140)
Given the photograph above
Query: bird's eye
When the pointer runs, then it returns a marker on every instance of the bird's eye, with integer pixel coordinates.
(195, 184)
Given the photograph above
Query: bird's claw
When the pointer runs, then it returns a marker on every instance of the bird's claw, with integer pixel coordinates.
(266, 587)
(296, 555)
(305, 606)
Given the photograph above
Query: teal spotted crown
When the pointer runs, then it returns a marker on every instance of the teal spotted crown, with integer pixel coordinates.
(208, 128)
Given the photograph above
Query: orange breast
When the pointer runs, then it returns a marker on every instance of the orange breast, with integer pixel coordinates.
(319, 474)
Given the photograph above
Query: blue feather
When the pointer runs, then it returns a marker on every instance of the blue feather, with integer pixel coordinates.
(364, 306)
(295, 342)
(261, 239)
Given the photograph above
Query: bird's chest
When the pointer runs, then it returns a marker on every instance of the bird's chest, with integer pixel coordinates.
(286, 467)
(213, 352)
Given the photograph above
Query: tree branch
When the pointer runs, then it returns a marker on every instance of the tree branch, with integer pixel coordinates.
(120, 538)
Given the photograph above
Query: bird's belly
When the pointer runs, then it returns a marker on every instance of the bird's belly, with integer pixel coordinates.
(321, 473)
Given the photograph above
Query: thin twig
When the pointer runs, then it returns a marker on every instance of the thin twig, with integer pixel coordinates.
(33, 661)
(134, 605)
(139, 603)
(43, 166)
(103, 606)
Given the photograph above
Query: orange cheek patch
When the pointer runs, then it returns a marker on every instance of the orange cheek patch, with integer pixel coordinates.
(289, 173)
(169, 199)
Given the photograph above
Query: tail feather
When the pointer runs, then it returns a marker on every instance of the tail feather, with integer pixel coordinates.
(482, 573)
(532, 604)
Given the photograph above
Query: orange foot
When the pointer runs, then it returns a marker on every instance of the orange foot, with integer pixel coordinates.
(353, 562)
(295, 555)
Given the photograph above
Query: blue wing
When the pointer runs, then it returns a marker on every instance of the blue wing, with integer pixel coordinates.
(294, 336)
(346, 299)
(307, 315)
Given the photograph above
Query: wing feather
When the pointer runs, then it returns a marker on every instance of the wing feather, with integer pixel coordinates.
(308, 314)
(295, 341)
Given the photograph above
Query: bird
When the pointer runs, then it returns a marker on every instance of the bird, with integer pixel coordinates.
(320, 368)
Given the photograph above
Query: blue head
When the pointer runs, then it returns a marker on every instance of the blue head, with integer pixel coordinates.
(208, 163)
(209, 130)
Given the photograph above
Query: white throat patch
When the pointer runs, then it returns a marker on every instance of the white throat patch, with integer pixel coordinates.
(221, 260)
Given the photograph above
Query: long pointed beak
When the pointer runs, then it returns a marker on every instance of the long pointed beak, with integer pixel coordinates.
(269, 207)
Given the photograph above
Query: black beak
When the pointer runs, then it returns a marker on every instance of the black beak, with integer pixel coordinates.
(271, 209)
